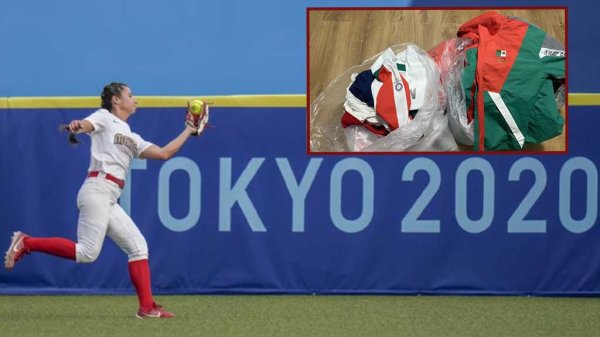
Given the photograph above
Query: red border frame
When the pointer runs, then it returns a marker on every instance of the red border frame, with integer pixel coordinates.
(308, 99)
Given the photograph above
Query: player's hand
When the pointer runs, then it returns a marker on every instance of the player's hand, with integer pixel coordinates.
(75, 126)
(196, 121)
(192, 130)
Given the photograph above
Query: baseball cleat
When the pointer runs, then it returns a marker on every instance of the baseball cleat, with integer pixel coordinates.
(16, 250)
(157, 312)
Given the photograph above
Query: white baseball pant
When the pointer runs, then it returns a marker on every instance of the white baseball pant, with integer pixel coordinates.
(101, 215)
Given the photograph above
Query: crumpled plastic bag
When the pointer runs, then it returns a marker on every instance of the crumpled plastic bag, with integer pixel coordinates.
(450, 58)
(428, 130)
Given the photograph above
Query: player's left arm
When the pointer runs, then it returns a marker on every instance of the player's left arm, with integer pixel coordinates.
(169, 150)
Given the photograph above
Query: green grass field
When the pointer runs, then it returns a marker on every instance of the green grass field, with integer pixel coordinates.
(293, 315)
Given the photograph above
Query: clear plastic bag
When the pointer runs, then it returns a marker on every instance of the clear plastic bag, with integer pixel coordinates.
(559, 97)
(450, 58)
(428, 130)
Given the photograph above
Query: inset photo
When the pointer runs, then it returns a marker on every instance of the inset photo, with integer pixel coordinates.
(439, 80)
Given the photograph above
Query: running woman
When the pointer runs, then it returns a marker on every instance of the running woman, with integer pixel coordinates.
(113, 146)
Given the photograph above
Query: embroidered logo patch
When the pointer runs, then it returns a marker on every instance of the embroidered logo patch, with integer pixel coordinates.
(501, 55)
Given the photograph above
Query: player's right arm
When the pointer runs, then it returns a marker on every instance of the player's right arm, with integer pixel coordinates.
(80, 126)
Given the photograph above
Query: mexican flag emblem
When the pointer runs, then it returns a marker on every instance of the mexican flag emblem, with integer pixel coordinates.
(501, 55)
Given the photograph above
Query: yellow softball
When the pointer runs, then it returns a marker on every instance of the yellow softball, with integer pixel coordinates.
(196, 106)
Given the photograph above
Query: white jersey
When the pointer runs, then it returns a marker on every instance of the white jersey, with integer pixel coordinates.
(113, 144)
(391, 92)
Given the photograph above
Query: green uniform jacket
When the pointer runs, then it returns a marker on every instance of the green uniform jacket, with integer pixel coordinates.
(509, 80)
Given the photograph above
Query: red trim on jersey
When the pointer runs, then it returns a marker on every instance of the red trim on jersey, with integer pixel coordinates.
(348, 119)
(386, 104)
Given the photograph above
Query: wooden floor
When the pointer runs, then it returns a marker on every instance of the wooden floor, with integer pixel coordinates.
(340, 39)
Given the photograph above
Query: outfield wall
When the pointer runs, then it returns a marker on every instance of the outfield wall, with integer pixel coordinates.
(244, 209)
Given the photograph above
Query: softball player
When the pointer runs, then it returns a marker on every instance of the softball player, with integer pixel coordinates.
(112, 149)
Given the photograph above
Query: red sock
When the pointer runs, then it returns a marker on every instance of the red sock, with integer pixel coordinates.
(53, 246)
(140, 277)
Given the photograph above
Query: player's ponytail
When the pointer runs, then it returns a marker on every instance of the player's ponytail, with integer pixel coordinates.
(109, 91)
(72, 136)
